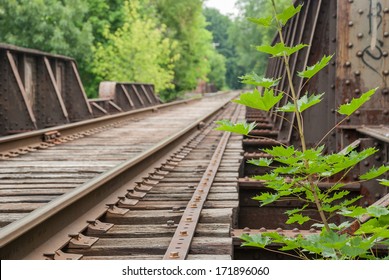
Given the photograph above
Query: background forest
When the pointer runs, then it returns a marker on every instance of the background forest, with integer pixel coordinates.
(174, 44)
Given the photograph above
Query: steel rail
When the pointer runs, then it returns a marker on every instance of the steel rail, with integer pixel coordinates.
(179, 246)
(34, 138)
(20, 238)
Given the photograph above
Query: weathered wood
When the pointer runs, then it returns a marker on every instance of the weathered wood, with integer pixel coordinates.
(168, 205)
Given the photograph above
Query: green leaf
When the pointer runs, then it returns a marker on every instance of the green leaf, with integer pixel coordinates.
(258, 101)
(266, 21)
(294, 211)
(336, 196)
(302, 104)
(373, 172)
(255, 240)
(261, 162)
(266, 198)
(349, 108)
(254, 79)
(377, 211)
(280, 49)
(288, 13)
(240, 128)
(353, 211)
(298, 218)
(384, 182)
(281, 151)
(314, 69)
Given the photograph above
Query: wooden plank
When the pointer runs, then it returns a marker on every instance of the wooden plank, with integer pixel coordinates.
(168, 205)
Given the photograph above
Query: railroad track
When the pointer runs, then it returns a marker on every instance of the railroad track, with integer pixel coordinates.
(80, 180)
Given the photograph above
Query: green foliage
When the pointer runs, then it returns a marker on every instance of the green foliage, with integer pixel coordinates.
(313, 70)
(297, 174)
(254, 79)
(349, 108)
(259, 101)
(302, 104)
(239, 128)
(150, 60)
(280, 49)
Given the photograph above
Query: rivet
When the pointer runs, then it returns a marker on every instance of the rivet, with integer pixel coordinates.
(262, 229)
(378, 158)
(366, 203)
(347, 64)
(377, 196)
(351, 1)
(174, 255)
(347, 82)
(170, 223)
(357, 91)
(355, 177)
(334, 15)
(385, 53)
(359, 53)
(312, 230)
(350, 45)
(366, 163)
(360, 11)
(246, 229)
(357, 112)
(333, 40)
(296, 230)
(279, 230)
(386, 10)
(385, 72)
(357, 73)
(386, 112)
(386, 34)
(360, 35)
(385, 91)
(350, 23)
(333, 86)
(333, 62)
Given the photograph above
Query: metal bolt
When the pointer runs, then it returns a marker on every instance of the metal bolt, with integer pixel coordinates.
(360, 11)
(347, 82)
(347, 64)
(357, 91)
(279, 230)
(385, 72)
(312, 230)
(351, 1)
(386, 10)
(384, 53)
(386, 112)
(333, 86)
(350, 45)
(359, 53)
(366, 163)
(350, 23)
(360, 35)
(296, 230)
(366, 203)
(333, 40)
(262, 229)
(357, 112)
(385, 91)
(174, 255)
(377, 157)
(170, 223)
(357, 73)
(246, 229)
(386, 34)
(355, 177)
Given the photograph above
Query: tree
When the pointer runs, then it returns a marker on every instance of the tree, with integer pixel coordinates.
(186, 25)
(54, 26)
(138, 51)
(219, 26)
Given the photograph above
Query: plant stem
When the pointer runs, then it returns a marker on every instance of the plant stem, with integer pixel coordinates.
(299, 123)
